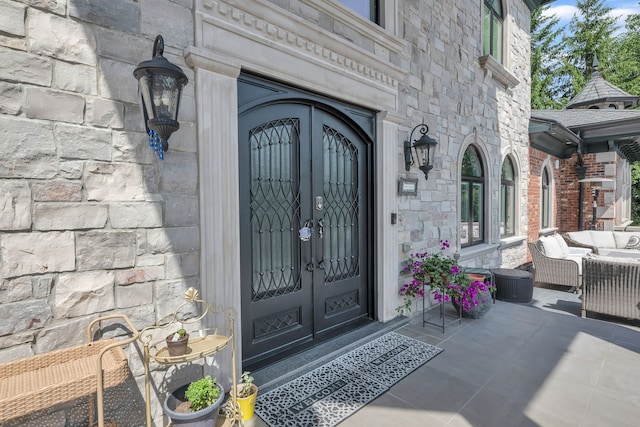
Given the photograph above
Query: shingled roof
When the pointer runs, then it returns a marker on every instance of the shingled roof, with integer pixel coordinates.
(598, 90)
(597, 130)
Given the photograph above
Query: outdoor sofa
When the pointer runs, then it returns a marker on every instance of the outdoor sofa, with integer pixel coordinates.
(555, 262)
(611, 285)
(613, 243)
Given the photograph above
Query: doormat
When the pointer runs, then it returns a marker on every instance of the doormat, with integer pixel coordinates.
(329, 394)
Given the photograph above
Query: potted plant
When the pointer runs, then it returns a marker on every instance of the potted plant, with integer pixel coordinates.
(246, 393)
(195, 404)
(177, 342)
(445, 280)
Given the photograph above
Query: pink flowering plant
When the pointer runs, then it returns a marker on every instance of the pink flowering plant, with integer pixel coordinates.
(444, 278)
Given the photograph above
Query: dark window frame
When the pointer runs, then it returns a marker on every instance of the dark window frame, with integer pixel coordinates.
(492, 11)
(508, 200)
(472, 182)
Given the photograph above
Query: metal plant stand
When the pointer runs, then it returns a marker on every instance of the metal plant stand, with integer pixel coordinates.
(202, 343)
(444, 319)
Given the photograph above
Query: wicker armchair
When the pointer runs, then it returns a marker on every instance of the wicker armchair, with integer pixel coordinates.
(556, 271)
(611, 286)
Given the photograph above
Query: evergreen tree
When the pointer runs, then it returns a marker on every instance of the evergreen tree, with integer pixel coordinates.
(590, 34)
(635, 193)
(545, 52)
(626, 73)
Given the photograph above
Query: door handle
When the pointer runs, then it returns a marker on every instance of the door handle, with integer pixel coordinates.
(306, 230)
(321, 228)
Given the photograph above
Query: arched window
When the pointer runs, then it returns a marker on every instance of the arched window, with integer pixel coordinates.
(492, 29)
(545, 200)
(507, 199)
(472, 199)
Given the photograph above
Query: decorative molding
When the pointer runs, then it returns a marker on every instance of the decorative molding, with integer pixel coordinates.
(287, 32)
(498, 72)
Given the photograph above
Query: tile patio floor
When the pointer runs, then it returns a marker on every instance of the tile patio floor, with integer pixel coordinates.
(525, 365)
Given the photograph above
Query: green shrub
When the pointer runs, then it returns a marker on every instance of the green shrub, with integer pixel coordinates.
(202, 393)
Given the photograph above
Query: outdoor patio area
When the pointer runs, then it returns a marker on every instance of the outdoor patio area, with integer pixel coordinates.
(535, 364)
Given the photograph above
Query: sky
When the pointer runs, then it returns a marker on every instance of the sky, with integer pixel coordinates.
(565, 9)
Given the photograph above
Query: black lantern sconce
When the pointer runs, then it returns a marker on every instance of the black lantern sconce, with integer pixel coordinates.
(424, 147)
(160, 84)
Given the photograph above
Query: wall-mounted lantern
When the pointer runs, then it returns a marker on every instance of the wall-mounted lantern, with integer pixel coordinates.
(424, 147)
(160, 84)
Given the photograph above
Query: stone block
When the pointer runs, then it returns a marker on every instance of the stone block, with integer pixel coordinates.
(69, 216)
(27, 150)
(57, 191)
(61, 38)
(113, 182)
(133, 119)
(120, 14)
(181, 265)
(56, 6)
(25, 337)
(12, 21)
(71, 169)
(11, 97)
(16, 353)
(24, 68)
(184, 139)
(116, 81)
(105, 113)
(15, 205)
(63, 335)
(75, 78)
(42, 286)
(180, 211)
(138, 275)
(170, 293)
(135, 215)
(15, 290)
(37, 253)
(81, 294)
(81, 142)
(105, 250)
(40, 105)
(134, 295)
(121, 46)
(150, 260)
(176, 239)
(132, 147)
(24, 315)
(179, 173)
(176, 31)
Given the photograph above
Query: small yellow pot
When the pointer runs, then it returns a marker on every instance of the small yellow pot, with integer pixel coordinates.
(247, 404)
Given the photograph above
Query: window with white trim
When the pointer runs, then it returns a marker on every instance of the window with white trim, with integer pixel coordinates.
(492, 29)
(545, 199)
(472, 203)
(370, 9)
(508, 199)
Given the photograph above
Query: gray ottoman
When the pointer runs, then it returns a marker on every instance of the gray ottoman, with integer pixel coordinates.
(513, 285)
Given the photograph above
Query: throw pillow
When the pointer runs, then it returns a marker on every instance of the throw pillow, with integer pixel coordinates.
(633, 243)
(563, 245)
(551, 247)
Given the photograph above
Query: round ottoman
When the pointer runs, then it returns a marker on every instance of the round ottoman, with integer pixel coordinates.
(513, 285)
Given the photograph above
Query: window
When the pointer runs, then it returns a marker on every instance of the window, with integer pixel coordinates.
(367, 8)
(545, 201)
(492, 29)
(507, 199)
(472, 199)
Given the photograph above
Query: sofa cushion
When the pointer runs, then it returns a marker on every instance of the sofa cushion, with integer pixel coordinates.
(633, 243)
(578, 260)
(551, 247)
(603, 239)
(583, 237)
(613, 259)
(563, 245)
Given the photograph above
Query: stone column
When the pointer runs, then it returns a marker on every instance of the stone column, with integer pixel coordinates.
(217, 132)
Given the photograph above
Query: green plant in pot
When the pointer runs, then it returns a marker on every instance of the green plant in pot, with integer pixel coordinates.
(195, 404)
(246, 393)
(177, 342)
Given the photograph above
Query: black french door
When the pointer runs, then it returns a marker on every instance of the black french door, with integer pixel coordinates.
(305, 227)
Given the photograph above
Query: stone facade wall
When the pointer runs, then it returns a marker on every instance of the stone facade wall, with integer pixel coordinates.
(92, 223)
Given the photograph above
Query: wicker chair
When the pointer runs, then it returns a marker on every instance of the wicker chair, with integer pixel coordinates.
(556, 271)
(611, 286)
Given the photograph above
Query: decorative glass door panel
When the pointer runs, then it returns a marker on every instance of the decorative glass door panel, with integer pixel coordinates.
(304, 228)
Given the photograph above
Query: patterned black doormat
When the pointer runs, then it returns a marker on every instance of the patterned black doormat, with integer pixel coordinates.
(329, 394)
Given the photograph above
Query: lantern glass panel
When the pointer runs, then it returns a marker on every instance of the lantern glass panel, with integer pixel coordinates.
(146, 95)
(166, 93)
